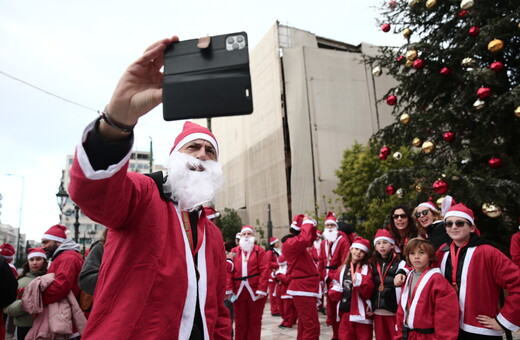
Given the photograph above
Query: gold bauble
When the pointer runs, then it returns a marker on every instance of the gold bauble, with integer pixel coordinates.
(416, 142)
(439, 202)
(479, 104)
(411, 55)
(412, 3)
(495, 45)
(468, 62)
(418, 188)
(404, 118)
(484, 207)
(409, 63)
(466, 4)
(428, 147)
(431, 3)
(400, 192)
(377, 71)
(493, 211)
(407, 33)
(517, 111)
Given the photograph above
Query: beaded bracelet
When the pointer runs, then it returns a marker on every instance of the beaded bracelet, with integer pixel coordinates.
(117, 125)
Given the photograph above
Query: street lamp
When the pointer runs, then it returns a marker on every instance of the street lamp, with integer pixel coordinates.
(19, 217)
(61, 197)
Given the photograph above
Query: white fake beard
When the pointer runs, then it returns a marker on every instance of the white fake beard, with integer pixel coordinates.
(317, 244)
(331, 234)
(192, 182)
(247, 243)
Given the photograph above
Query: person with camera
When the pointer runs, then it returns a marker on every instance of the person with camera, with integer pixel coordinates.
(174, 286)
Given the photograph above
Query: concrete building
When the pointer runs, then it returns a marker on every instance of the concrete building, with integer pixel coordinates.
(9, 234)
(313, 98)
(90, 231)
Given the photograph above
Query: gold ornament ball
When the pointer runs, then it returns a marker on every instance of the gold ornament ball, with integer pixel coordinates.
(439, 201)
(377, 71)
(428, 147)
(400, 193)
(431, 3)
(517, 111)
(412, 3)
(411, 55)
(478, 104)
(404, 118)
(409, 63)
(468, 62)
(418, 188)
(416, 142)
(493, 211)
(466, 4)
(495, 45)
(407, 33)
(484, 207)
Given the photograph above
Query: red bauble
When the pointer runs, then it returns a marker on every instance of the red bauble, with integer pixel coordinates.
(484, 92)
(383, 157)
(445, 71)
(474, 31)
(462, 14)
(448, 136)
(496, 66)
(400, 58)
(385, 150)
(392, 4)
(390, 190)
(385, 27)
(440, 187)
(391, 100)
(418, 64)
(495, 162)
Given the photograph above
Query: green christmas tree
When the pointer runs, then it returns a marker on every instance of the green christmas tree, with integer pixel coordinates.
(456, 105)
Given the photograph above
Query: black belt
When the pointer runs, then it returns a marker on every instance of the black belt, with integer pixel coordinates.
(243, 278)
(304, 277)
(331, 267)
(406, 330)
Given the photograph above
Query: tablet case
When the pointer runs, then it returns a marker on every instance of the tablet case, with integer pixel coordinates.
(212, 81)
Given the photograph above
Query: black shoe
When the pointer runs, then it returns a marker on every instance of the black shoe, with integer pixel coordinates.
(282, 326)
(276, 314)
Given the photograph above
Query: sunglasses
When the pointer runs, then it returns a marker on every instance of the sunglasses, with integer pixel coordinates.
(424, 212)
(396, 216)
(459, 224)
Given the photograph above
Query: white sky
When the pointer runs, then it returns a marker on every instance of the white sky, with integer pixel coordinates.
(78, 50)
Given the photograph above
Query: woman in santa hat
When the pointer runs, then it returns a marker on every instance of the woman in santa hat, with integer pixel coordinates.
(478, 271)
(353, 287)
(36, 265)
(430, 223)
(247, 280)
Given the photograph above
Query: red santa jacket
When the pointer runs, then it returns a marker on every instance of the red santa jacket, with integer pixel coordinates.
(147, 286)
(515, 248)
(361, 293)
(334, 255)
(250, 274)
(484, 270)
(66, 266)
(300, 265)
(431, 307)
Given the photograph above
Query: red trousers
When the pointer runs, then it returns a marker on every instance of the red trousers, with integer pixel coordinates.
(308, 323)
(384, 326)
(273, 300)
(332, 316)
(248, 316)
(289, 312)
(349, 330)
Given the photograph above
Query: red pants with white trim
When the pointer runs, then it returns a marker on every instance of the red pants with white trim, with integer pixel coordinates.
(248, 316)
(332, 316)
(273, 300)
(349, 330)
(384, 326)
(308, 323)
(289, 312)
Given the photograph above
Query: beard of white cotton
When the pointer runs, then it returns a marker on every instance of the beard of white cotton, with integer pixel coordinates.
(331, 234)
(191, 188)
(247, 243)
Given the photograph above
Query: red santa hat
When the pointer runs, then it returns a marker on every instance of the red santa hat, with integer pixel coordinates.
(237, 236)
(331, 218)
(56, 233)
(297, 222)
(191, 132)
(319, 233)
(273, 240)
(428, 204)
(460, 210)
(282, 260)
(36, 252)
(383, 234)
(361, 243)
(247, 228)
(7, 250)
(211, 213)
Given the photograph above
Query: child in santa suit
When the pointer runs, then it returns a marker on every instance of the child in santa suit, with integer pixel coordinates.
(352, 287)
(478, 271)
(427, 309)
(386, 262)
(272, 256)
(286, 305)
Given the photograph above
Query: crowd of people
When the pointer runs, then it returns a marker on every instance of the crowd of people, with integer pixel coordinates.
(163, 271)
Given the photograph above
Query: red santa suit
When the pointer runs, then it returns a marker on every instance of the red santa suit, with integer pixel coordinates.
(482, 271)
(272, 256)
(304, 286)
(8, 252)
(152, 293)
(248, 281)
(514, 248)
(429, 311)
(286, 305)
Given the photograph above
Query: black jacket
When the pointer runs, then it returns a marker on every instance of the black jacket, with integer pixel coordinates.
(8, 284)
(387, 298)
